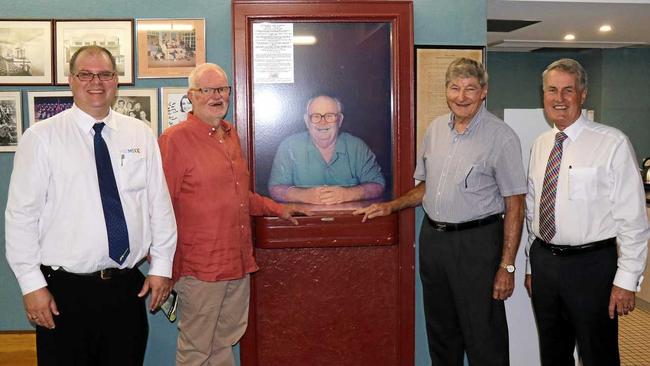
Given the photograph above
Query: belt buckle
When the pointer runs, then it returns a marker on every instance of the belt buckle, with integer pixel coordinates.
(559, 250)
(439, 227)
(105, 274)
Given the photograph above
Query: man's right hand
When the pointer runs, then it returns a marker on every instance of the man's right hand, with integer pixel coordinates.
(374, 210)
(40, 307)
(527, 284)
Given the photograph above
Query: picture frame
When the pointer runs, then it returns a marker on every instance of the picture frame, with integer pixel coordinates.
(11, 120)
(282, 69)
(116, 35)
(45, 104)
(127, 100)
(169, 48)
(431, 64)
(174, 107)
(26, 52)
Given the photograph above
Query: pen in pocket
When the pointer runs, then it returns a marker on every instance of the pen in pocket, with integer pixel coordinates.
(121, 160)
(467, 176)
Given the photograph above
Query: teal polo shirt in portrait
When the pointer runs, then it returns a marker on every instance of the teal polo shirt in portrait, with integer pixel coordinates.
(298, 163)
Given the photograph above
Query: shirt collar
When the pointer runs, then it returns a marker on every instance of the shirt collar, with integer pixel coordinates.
(574, 130)
(197, 125)
(86, 122)
(472, 123)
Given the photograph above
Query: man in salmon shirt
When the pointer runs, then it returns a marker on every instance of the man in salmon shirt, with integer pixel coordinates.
(208, 181)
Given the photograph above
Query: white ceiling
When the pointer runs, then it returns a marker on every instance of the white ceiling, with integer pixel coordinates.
(629, 19)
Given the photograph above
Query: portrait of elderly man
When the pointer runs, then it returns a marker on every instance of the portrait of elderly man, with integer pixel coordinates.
(324, 165)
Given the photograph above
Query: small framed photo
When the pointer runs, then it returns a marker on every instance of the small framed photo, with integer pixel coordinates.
(175, 106)
(45, 104)
(25, 52)
(169, 48)
(141, 104)
(11, 120)
(114, 35)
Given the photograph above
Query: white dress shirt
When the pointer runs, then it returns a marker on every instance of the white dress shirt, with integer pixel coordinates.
(599, 195)
(54, 211)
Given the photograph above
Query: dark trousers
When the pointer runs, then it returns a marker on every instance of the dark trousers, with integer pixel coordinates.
(571, 299)
(457, 269)
(101, 322)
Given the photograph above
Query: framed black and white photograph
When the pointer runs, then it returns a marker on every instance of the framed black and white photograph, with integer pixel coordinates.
(141, 104)
(114, 35)
(175, 106)
(25, 52)
(169, 48)
(11, 120)
(45, 104)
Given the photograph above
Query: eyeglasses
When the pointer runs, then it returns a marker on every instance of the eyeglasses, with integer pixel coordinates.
(89, 76)
(224, 91)
(328, 117)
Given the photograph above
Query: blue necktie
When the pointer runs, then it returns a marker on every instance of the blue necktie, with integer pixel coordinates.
(118, 235)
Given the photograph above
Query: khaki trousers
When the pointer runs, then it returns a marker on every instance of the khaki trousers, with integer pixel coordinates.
(213, 317)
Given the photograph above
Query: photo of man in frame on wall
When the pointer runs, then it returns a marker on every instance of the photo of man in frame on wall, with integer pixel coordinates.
(344, 64)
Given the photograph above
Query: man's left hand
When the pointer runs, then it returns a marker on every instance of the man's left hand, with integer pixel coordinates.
(504, 284)
(621, 301)
(160, 288)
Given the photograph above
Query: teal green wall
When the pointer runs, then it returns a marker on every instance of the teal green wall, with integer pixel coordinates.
(619, 86)
(625, 95)
(437, 22)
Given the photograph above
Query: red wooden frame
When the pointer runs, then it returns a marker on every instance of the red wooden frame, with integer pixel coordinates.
(397, 229)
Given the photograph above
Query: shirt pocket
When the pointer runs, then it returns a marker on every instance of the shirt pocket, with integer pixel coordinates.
(473, 178)
(133, 172)
(583, 183)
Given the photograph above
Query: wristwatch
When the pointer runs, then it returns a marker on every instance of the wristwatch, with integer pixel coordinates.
(510, 268)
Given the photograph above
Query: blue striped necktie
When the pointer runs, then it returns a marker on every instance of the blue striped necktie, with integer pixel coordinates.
(118, 235)
(549, 190)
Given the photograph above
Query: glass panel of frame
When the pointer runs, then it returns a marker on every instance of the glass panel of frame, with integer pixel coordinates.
(338, 68)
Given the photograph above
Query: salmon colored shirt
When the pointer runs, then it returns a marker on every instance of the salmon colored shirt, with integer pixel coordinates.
(208, 182)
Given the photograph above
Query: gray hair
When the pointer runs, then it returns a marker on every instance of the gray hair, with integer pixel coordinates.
(466, 68)
(569, 66)
(193, 79)
(93, 50)
(339, 105)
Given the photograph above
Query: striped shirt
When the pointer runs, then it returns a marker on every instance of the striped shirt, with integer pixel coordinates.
(468, 174)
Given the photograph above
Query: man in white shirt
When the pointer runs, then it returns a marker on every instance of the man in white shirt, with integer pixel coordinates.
(87, 203)
(584, 196)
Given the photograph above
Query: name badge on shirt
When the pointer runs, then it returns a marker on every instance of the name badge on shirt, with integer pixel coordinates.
(130, 154)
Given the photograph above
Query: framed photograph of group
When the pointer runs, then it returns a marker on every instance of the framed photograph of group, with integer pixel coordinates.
(25, 52)
(11, 120)
(141, 104)
(431, 64)
(114, 35)
(175, 106)
(169, 48)
(45, 104)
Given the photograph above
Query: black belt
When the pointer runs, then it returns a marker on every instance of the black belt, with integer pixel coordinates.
(104, 274)
(448, 226)
(564, 250)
